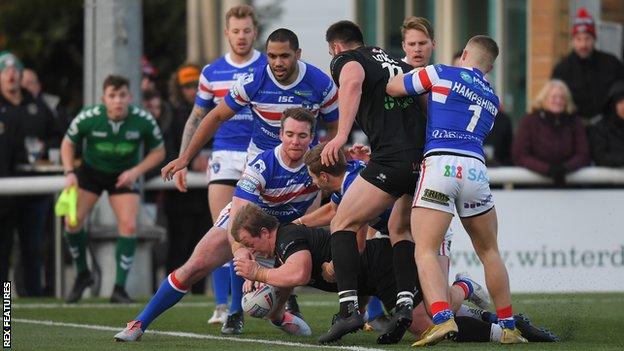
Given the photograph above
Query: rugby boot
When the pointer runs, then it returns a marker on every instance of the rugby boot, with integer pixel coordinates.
(479, 295)
(512, 336)
(120, 295)
(132, 332)
(233, 324)
(531, 332)
(437, 332)
(342, 326)
(82, 282)
(293, 325)
(399, 321)
(292, 306)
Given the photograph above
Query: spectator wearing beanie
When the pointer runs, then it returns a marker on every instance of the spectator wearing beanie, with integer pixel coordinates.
(588, 72)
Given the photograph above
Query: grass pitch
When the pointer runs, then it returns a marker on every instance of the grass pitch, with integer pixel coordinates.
(582, 321)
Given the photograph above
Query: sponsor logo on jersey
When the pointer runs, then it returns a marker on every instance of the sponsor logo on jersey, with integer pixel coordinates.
(99, 134)
(247, 184)
(310, 106)
(435, 196)
(216, 166)
(477, 204)
(259, 166)
(381, 177)
(477, 175)
(466, 77)
(303, 92)
(453, 171)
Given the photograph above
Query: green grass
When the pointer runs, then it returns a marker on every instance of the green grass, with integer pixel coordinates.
(583, 321)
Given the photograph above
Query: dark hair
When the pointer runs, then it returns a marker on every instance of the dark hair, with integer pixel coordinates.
(312, 159)
(151, 94)
(252, 218)
(240, 12)
(346, 32)
(117, 82)
(283, 35)
(299, 114)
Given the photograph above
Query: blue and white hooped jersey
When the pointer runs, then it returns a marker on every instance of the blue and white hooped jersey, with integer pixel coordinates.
(215, 81)
(353, 169)
(279, 190)
(461, 111)
(312, 90)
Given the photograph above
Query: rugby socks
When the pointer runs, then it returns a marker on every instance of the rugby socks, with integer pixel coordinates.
(78, 248)
(236, 285)
(466, 286)
(441, 312)
(221, 284)
(473, 330)
(505, 318)
(168, 294)
(347, 267)
(124, 254)
(405, 271)
(374, 308)
(477, 313)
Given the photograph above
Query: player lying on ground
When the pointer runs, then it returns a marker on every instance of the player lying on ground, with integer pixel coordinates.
(275, 180)
(303, 257)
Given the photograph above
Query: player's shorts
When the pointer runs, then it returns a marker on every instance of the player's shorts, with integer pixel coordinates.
(378, 280)
(95, 181)
(226, 167)
(224, 217)
(394, 178)
(454, 182)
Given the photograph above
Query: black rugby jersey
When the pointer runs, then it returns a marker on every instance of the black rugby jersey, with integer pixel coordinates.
(292, 238)
(395, 126)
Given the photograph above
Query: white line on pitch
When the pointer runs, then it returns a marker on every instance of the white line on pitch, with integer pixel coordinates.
(195, 336)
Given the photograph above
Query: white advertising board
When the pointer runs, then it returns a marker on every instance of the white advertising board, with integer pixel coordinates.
(554, 240)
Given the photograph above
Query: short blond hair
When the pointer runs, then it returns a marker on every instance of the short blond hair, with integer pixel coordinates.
(487, 50)
(418, 23)
(538, 102)
(240, 12)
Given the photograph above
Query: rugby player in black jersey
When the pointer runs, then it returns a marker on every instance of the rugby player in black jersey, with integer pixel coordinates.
(395, 129)
(303, 256)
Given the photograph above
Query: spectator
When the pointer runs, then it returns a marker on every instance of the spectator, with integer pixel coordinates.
(40, 133)
(551, 139)
(12, 153)
(607, 136)
(148, 75)
(163, 114)
(31, 82)
(588, 72)
(188, 215)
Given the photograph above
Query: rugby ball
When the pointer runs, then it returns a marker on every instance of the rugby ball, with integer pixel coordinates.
(260, 302)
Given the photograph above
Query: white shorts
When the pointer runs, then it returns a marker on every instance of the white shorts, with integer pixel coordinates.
(452, 183)
(226, 165)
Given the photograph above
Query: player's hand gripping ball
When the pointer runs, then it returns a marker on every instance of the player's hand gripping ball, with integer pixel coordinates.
(260, 302)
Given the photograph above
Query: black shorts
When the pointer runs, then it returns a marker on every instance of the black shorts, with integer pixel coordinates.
(394, 178)
(378, 275)
(96, 181)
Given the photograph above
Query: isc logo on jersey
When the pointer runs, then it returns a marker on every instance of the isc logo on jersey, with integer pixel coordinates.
(260, 302)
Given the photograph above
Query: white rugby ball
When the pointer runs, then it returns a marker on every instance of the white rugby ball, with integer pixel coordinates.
(260, 302)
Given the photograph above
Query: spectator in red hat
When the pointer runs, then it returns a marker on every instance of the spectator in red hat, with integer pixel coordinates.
(588, 72)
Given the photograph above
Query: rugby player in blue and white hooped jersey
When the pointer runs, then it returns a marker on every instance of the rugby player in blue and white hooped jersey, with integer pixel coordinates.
(285, 83)
(278, 182)
(229, 147)
(461, 111)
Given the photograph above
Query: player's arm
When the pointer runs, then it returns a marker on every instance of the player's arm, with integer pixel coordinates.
(415, 82)
(192, 123)
(322, 216)
(350, 93)
(296, 271)
(205, 131)
(396, 87)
